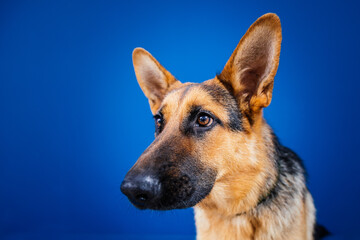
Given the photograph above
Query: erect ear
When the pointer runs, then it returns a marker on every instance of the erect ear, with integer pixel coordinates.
(250, 71)
(154, 80)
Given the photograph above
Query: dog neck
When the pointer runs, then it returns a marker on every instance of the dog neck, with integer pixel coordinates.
(220, 216)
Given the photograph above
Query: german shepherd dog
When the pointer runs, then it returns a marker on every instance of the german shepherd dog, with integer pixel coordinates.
(214, 151)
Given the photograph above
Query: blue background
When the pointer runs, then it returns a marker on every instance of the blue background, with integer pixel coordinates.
(73, 119)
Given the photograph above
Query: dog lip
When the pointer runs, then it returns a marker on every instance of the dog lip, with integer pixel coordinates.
(137, 204)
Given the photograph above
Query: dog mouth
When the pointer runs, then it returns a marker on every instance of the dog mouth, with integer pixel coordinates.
(138, 204)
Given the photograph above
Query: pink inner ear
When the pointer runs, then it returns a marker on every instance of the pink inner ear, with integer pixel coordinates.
(151, 79)
(254, 61)
(155, 85)
(249, 78)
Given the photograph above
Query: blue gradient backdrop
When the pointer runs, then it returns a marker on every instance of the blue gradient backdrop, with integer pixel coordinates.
(73, 119)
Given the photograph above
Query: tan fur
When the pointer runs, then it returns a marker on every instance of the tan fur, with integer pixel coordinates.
(242, 160)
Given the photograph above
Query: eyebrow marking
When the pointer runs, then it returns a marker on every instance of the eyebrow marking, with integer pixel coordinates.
(228, 101)
(186, 90)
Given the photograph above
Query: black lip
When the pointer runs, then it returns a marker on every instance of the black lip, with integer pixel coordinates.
(138, 205)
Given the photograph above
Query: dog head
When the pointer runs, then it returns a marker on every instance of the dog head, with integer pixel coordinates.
(209, 134)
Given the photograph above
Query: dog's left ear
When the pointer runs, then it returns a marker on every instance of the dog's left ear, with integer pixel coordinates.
(250, 71)
(154, 80)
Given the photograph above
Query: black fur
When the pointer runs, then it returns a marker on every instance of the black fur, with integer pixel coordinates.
(289, 166)
(320, 232)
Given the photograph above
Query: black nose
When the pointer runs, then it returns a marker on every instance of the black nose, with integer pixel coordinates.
(142, 191)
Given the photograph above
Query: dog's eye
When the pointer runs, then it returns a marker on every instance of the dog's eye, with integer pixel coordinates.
(204, 120)
(159, 122)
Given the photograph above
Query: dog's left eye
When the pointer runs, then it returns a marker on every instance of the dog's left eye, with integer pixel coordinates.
(204, 120)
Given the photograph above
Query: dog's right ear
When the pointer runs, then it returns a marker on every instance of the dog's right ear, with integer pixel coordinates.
(154, 80)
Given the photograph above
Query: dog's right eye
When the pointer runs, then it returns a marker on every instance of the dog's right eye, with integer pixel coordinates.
(159, 121)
